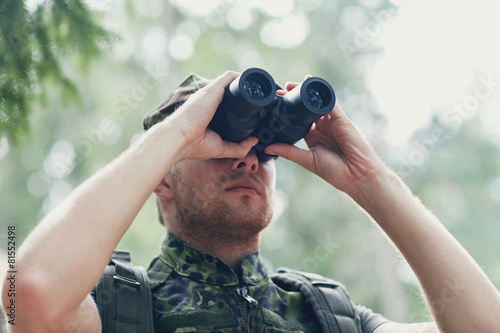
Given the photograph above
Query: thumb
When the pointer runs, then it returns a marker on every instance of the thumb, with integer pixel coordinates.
(238, 150)
(292, 153)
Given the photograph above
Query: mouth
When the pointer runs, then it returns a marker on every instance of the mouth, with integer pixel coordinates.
(244, 187)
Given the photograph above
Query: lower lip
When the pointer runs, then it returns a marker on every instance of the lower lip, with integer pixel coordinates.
(243, 190)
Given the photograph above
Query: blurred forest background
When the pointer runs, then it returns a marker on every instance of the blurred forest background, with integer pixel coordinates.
(77, 76)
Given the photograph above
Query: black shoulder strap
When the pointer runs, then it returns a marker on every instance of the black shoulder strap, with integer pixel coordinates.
(329, 299)
(123, 297)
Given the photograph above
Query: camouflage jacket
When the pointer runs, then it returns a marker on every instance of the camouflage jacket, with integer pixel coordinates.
(196, 292)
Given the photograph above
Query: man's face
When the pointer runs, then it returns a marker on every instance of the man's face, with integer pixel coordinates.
(233, 198)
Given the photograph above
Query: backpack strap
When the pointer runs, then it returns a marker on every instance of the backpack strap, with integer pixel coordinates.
(123, 297)
(329, 299)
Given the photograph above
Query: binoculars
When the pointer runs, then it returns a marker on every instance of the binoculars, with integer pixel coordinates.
(251, 107)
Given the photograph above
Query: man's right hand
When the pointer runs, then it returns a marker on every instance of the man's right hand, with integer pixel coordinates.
(190, 123)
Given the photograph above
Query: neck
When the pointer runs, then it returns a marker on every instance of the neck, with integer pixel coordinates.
(231, 251)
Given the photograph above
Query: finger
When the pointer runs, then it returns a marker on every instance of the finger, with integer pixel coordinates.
(292, 153)
(291, 85)
(288, 87)
(337, 112)
(225, 79)
(238, 150)
(216, 86)
(205, 101)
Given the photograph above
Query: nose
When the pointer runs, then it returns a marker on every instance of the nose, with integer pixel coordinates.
(249, 163)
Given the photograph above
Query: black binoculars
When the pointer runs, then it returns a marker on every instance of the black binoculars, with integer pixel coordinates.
(251, 107)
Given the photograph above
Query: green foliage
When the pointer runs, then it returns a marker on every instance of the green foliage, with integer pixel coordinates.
(34, 47)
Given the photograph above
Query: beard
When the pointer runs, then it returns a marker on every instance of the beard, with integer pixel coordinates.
(204, 215)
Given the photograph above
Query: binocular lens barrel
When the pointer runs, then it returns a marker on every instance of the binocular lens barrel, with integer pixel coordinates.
(239, 113)
(314, 98)
(250, 106)
(308, 102)
(254, 88)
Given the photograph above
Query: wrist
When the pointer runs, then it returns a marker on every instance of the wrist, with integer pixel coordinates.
(380, 194)
(168, 142)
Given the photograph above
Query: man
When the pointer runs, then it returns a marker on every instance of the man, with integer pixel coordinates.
(212, 242)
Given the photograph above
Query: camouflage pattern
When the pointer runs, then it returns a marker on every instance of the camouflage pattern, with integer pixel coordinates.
(196, 292)
(191, 84)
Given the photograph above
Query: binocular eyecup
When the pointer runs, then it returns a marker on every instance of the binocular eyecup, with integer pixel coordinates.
(251, 107)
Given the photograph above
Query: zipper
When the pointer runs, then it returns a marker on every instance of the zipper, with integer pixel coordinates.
(252, 303)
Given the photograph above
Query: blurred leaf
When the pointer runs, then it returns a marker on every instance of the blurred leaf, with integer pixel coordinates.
(33, 48)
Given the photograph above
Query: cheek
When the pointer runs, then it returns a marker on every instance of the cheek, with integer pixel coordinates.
(200, 179)
(270, 174)
(268, 177)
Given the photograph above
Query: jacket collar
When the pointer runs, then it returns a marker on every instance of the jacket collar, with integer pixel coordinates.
(192, 263)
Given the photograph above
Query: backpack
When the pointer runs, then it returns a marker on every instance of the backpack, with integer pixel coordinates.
(123, 298)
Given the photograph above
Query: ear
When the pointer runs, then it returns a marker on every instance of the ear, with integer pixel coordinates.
(164, 189)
